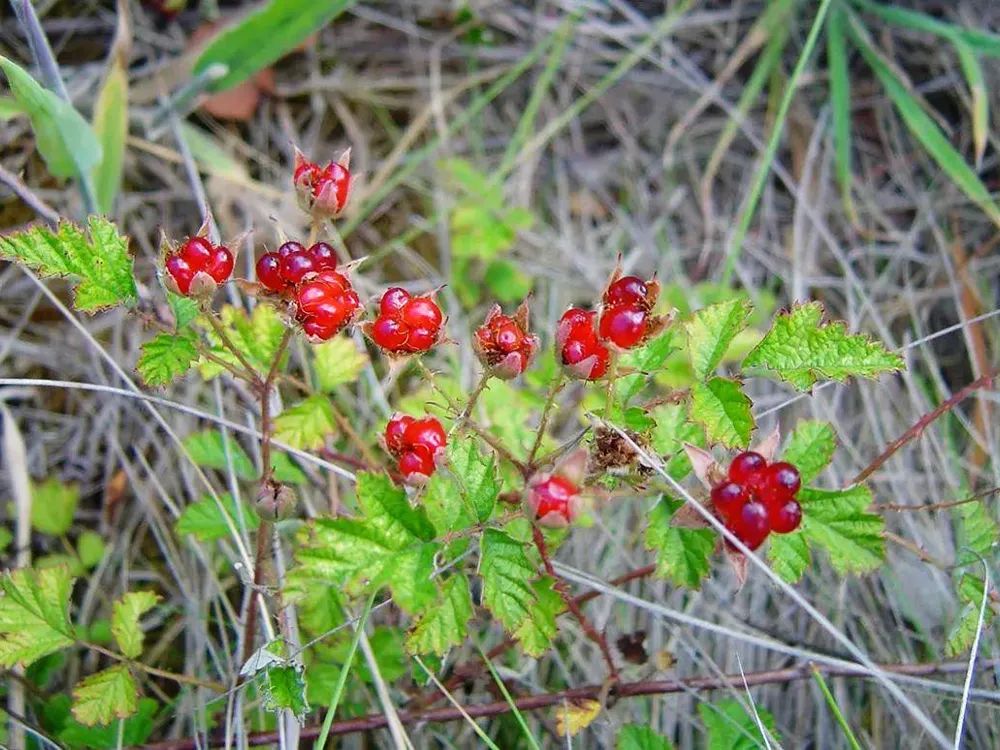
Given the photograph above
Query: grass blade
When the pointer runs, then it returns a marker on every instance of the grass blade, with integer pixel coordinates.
(973, 72)
(837, 714)
(923, 127)
(451, 699)
(510, 700)
(840, 104)
(111, 116)
(985, 42)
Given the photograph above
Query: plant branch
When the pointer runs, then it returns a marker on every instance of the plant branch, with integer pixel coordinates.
(550, 400)
(227, 342)
(182, 679)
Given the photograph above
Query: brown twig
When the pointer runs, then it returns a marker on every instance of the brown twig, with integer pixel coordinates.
(787, 675)
(924, 422)
(901, 508)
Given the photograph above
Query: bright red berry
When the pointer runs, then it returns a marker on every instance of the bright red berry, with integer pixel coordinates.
(751, 525)
(287, 248)
(782, 479)
(181, 272)
(319, 329)
(420, 340)
(626, 290)
(323, 255)
(395, 431)
(294, 266)
(623, 325)
(198, 266)
(322, 191)
(269, 272)
(427, 432)
(220, 265)
(745, 466)
(415, 443)
(784, 518)
(197, 251)
(579, 348)
(422, 312)
(393, 301)
(406, 324)
(416, 464)
(389, 333)
(502, 343)
(553, 500)
(728, 499)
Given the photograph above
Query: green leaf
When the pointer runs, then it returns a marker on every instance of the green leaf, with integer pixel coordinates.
(306, 424)
(285, 689)
(34, 614)
(445, 623)
(506, 281)
(638, 737)
(166, 357)
(977, 533)
(135, 730)
(6, 537)
(63, 137)
(53, 504)
(673, 428)
(111, 131)
(984, 41)
(536, 632)
(100, 261)
(840, 103)
(10, 108)
(963, 631)
(185, 309)
(647, 360)
(800, 350)
(212, 155)
(390, 543)
(710, 332)
(980, 105)
(730, 727)
(722, 408)
(337, 362)
(257, 337)
(475, 475)
(838, 521)
(90, 549)
(206, 521)
(125, 620)
(683, 556)
(265, 36)
(923, 127)
(107, 695)
(810, 448)
(208, 449)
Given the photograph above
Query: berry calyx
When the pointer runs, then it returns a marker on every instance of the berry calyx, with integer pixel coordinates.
(406, 324)
(415, 444)
(197, 267)
(503, 344)
(322, 191)
(553, 500)
(580, 351)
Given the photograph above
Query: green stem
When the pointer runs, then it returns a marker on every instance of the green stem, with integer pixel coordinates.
(832, 703)
(557, 385)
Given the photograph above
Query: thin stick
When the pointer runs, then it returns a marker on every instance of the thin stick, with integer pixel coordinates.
(181, 679)
(227, 342)
(550, 400)
(28, 196)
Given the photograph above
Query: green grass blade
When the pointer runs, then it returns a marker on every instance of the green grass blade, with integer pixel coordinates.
(111, 129)
(451, 699)
(837, 714)
(840, 104)
(985, 42)
(760, 177)
(923, 127)
(973, 73)
(510, 701)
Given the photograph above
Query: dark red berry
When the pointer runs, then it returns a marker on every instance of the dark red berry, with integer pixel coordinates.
(552, 500)
(627, 290)
(181, 272)
(745, 466)
(393, 301)
(290, 247)
(197, 251)
(751, 525)
(220, 265)
(319, 329)
(728, 498)
(624, 326)
(389, 333)
(395, 430)
(323, 255)
(422, 312)
(269, 272)
(783, 479)
(784, 518)
(296, 265)
(427, 432)
(420, 339)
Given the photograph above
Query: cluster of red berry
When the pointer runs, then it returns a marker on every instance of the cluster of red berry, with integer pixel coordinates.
(322, 191)
(198, 267)
(553, 499)
(406, 324)
(503, 343)
(281, 271)
(625, 321)
(414, 443)
(757, 498)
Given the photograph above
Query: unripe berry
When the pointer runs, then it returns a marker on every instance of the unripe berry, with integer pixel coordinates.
(553, 500)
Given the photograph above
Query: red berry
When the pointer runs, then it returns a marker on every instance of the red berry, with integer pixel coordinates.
(296, 265)
(331, 188)
(394, 431)
(220, 265)
(422, 312)
(318, 328)
(624, 326)
(588, 354)
(508, 336)
(323, 255)
(393, 301)
(197, 251)
(782, 479)
(745, 466)
(290, 247)
(420, 339)
(334, 279)
(728, 499)
(416, 463)
(553, 500)
(181, 272)
(751, 524)
(628, 289)
(427, 432)
(389, 333)
(784, 518)
(333, 312)
(311, 294)
(269, 272)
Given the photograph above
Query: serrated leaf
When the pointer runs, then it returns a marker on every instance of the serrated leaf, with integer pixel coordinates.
(673, 428)
(34, 614)
(810, 448)
(257, 336)
(535, 633)
(683, 556)
(445, 623)
(111, 131)
(125, 620)
(977, 533)
(475, 475)
(98, 259)
(166, 357)
(265, 36)
(722, 408)
(306, 424)
(132, 732)
(63, 137)
(107, 695)
(710, 332)
(730, 727)
(576, 715)
(53, 504)
(638, 737)
(206, 521)
(646, 360)
(963, 631)
(285, 689)
(800, 349)
(185, 309)
(390, 543)
(90, 549)
(838, 521)
(337, 361)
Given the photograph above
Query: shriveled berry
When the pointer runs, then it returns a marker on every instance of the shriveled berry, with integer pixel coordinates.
(389, 333)
(745, 466)
(626, 290)
(296, 265)
(395, 430)
(624, 326)
(393, 301)
(427, 432)
(220, 264)
(269, 272)
(197, 251)
(422, 312)
(728, 499)
(416, 463)
(784, 518)
(181, 272)
(552, 500)
(323, 255)
(751, 524)
(290, 247)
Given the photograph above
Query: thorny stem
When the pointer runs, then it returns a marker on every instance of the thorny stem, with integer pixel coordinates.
(181, 679)
(571, 604)
(899, 508)
(473, 399)
(550, 400)
(227, 342)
